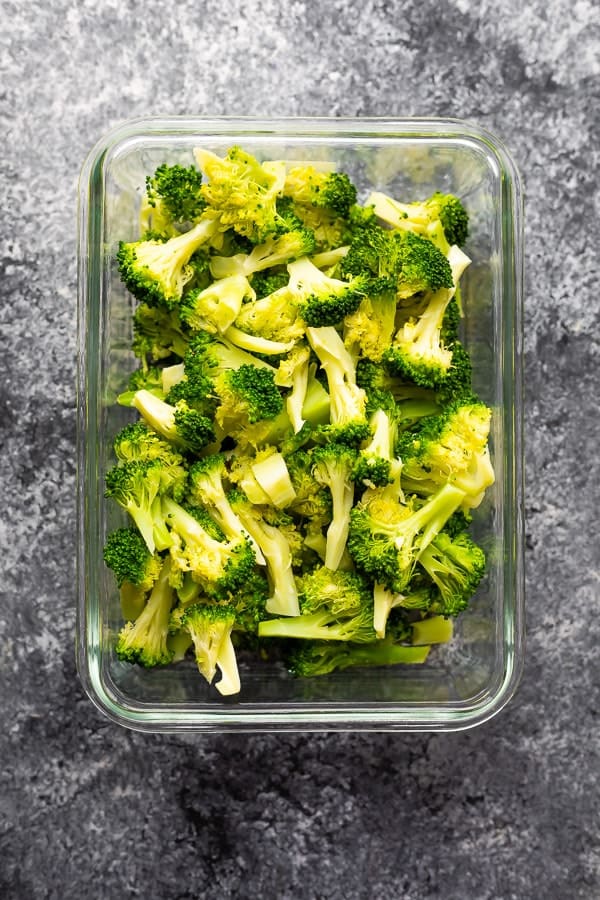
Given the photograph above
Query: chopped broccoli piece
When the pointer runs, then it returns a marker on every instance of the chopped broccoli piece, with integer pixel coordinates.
(275, 251)
(348, 401)
(424, 217)
(158, 333)
(173, 198)
(216, 307)
(456, 565)
(322, 300)
(306, 186)
(373, 464)
(127, 554)
(333, 467)
(210, 628)
(311, 658)
(145, 640)
(181, 424)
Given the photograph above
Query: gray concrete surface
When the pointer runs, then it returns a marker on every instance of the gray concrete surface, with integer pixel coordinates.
(87, 809)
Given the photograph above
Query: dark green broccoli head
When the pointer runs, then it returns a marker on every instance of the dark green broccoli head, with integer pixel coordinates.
(126, 553)
(251, 393)
(453, 216)
(176, 190)
(268, 281)
(456, 565)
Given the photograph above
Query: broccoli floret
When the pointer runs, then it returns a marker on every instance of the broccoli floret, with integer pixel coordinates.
(312, 500)
(274, 317)
(206, 489)
(373, 464)
(449, 447)
(247, 395)
(216, 307)
(157, 271)
(135, 486)
(405, 260)
(456, 565)
(275, 547)
(145, 640)
(243, 192)
(138, 442)
(442, 217)
(172, 199)
(274, 251)
(350, 623)
(268, 281)
(322, 300)
(210, 628)
(404, 400)
(306, 186)
(127, 554)
(311, 658)
(341, 593)
(219, 566)
(184, 426)
(148, 378)
(386, 537)
(369, 330)
(333, 467)
(158, 333)
(347, 401)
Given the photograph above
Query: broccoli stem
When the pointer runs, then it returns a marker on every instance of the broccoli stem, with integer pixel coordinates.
(435, 630)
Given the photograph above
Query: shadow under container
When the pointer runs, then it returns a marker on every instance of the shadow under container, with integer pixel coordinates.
(463, 683)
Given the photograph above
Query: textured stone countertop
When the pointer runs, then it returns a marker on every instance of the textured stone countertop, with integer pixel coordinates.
(508, 811)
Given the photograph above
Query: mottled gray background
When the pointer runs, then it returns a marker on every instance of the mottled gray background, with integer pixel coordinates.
(87, 809)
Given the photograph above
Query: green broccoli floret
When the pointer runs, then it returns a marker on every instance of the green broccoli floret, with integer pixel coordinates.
(275, 251)
(157, 271)
(294, 372)
(127, 554)
(387, 537)
(449, 447)
(148, 378)
(369, 330)
(216, 307)
(145, 640)
(341, 593)
(348, 421)
(276, 549)
(173, 199)
(275, 317)
(348, 622)
(210, 628)
(243, 192)
(268, 281)
(405, 260)
(322, 300)
(247, 395)
(219, 566)
(312, 500)
(406, 401)
(206, 489)
(373, 464)
(306, 186)
(183, 426)
(138, 442)
(135, 486)
(333, 467)
(311, 658)
(158, 333)
(456, 565)
(441, 218)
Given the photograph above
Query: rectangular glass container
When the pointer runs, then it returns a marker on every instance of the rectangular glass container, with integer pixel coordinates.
(463, 683)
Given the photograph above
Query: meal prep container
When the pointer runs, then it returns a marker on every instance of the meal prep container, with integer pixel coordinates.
(463, 683)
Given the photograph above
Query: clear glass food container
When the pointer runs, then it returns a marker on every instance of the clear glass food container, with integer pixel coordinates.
(463, 683)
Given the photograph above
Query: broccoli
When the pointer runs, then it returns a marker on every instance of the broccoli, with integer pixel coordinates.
(293, 372)
(311, 658)
(347, 623)
(347, 400)
(145, 640)
(242, 192)
(312, 500)
(405, 261)
(184, 426)
(275, 317)
(172, 199)
(275, 547)
(441, 217)
(373, 464)
(206, 489)
(408, 402)
(369, 330)
(418, 351)
(268, 281)
(456, 565)
(275, 251)
(210, 628)
(148, 378)
(341, 593)
(271, 473)
(331, 190)
(158, 333)
(247, 395)
(216, 307)
(449, 447)
(322, 300)
(135, 486)
(157, 271)
(138, 442)
(333, 467)
(386, 537)
(127, 554)
(219, 566)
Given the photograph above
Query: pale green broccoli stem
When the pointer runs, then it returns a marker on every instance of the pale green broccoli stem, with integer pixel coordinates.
(383, 603)
(170, 376)
(153, 622)
(189, 528)
(423, 333)
(383, 441)
(294, 372)
(158, 414)
(347, 400)
(256, 344)
(329, 258)
(217, 307)
(226, 519)
(276, 550)
(229, 682)
(273, 477)
(171, 258)
(342, 495)
(435, 630)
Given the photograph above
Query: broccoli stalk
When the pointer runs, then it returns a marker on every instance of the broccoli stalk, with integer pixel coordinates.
(157, 271)
(347, 401)
(276, 550)
(373, 465)
(313, 658)
(145, 640)
(216, 308)
(275, 251)
(184, 426)
(333, 467)
(323, 625)
(274, 317)
(293, 373)
(210, 628)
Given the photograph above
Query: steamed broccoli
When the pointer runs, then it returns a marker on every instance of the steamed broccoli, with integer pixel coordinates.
(306, 186)
(333, 467)
(217, 306)
(157, 271)
(386, 537)
(322, 300)
(210, 628)
(456, 565)
(439, 213)
(373, 465)
(145, 640)
(311, 658)
(184, 426)
(173, 199)
(127, 554)
(275, 251)
(158, 333)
